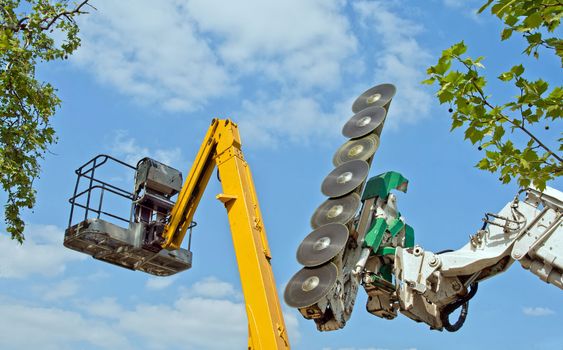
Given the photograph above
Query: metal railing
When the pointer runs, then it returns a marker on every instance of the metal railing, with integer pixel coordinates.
(85, 199)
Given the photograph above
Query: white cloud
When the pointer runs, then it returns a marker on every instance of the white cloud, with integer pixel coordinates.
(166, 53)
(42, 253)
(303, 43)
(127, 148)
(159, 283)
(104, 308)
(152, 52)
(213, 288)
(355, 348)
(292, 326)
(454, 3)
(60, 290)
(30, 327)
(361, 348)
(181, 55)
(468, 8)
(190, 323)
(291, 119)
(402, 60)
(203, 319)
(537, 311)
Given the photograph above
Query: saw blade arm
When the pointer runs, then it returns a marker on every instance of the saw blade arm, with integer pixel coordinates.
(380, 254)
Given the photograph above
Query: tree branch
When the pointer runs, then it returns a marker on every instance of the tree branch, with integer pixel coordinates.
(521, 110)
(76, 11)
(50, 21)
(519, 126)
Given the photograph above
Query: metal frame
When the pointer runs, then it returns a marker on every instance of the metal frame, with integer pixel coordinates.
(88, 172)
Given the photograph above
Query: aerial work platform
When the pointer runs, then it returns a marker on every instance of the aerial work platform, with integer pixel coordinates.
(161, 212)
(127, 242)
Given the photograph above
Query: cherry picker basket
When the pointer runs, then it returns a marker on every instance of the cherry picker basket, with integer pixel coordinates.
(131, 242)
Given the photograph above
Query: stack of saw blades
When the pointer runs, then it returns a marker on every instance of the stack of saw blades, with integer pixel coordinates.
(333, 222)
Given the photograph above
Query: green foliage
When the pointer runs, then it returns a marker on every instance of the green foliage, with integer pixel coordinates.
(507, 133)
(534, 19)
(26, 104)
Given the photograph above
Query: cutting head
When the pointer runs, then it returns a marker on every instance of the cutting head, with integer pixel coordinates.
(345, 178)
(364, 122)
(322, 245)
(362, 149)
(379, 95)
(309, 285)
(338, 210)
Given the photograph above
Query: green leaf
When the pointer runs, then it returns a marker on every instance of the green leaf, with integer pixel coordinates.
(445, 96)
(474, 135)
(530, 155)
(498, 133)
(453, 77)
(534, 39)
(525, 183)
(506, 33)
(458, 49)
(511, 20)
(533, 21)
(482, 8)
(506, 76)
(484, 164)
(517, 70)
(442, 66)
(456, 123)
(556, 93)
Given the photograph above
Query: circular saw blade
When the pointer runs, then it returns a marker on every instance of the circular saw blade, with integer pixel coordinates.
(323, 244)
(362, 149)
(345, 178)
(378, 95)
(336, 210)
(364, 122)
(309, 285)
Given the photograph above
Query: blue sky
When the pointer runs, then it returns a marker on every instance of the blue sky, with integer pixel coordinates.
(147, 81)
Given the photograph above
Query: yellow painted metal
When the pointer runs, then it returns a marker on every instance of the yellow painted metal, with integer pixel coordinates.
(183, 211)
(222, 147)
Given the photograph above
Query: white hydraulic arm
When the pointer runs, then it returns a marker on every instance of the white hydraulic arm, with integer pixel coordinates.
(529, 230)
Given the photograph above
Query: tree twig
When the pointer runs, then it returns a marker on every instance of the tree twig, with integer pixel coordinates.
(521, 127)
(76, 10)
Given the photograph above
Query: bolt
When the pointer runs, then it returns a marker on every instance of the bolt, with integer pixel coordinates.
(456, 286)
(433, 262)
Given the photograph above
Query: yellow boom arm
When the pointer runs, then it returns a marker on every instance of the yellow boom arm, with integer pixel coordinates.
(222, 147)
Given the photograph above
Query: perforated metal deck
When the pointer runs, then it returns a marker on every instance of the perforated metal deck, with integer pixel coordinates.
(123, 247)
